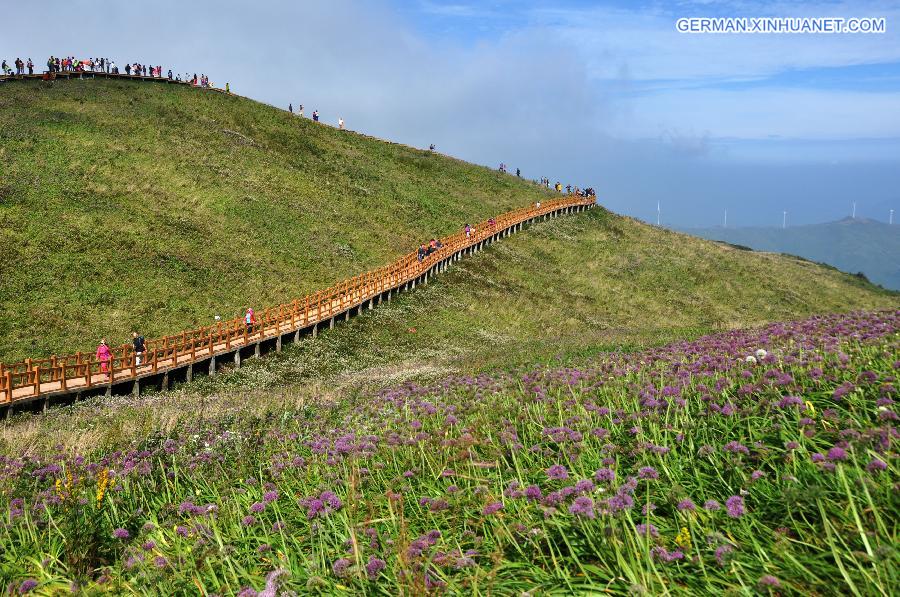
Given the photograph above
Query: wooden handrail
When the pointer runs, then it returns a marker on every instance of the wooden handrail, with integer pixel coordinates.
(59, 374)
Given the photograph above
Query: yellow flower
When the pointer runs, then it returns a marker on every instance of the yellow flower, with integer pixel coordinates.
(102, 483)
(683, 539)
(810, 407)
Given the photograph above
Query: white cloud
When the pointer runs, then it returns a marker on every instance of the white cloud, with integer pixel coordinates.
(760, 113)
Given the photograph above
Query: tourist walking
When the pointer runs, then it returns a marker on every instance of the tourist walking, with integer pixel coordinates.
(341, 123)
(30, 67)
(315, 115)
(291, 108)
(138, 342)
(300, 111)
(104, 355)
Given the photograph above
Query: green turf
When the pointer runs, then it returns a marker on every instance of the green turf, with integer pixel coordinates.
(127, 205)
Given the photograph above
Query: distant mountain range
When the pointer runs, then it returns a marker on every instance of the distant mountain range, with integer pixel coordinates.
(851, 245)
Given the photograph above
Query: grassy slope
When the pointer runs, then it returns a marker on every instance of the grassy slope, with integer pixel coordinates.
(851, 245)
(140, 205)
(572, 285)
(568, 287)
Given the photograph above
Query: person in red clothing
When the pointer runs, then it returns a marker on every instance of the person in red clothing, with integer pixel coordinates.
(104, 355)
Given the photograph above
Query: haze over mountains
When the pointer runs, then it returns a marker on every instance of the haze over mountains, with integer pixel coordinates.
(851, 245)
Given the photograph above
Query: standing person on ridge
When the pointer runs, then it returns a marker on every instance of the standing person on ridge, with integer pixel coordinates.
(300, 111)
(341, 123)
(315, 116)
(139, 348)
(104, 355)
(30, 67)
(291, 108)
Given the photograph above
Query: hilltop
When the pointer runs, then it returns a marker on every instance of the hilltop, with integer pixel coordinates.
(851, 245)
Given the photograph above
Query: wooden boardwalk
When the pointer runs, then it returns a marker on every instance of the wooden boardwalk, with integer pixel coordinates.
(211, 346)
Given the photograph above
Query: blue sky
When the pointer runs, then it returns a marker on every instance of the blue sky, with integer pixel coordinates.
(606, 94)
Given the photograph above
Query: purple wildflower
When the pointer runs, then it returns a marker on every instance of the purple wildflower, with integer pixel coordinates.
(648, 472)
(557, 472)
(257, 507)
(769, 581)
(584, 486)
(270, 496)
(735, 506)
(722, 554)
(121, 533)
(248, 520)
(876, 465)
(374, 567)
(604, 475)
(837, 454)
(686, 504)
(27, 586)
(533, 493)
(341, 567)
(492, 508)
(582, 506)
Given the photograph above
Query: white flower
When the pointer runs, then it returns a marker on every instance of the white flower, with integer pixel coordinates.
(751, 359)
(761, 353)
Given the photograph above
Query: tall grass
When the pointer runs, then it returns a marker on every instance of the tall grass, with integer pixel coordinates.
(742, 461)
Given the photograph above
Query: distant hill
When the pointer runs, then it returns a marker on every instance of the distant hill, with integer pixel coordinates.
(851, 245)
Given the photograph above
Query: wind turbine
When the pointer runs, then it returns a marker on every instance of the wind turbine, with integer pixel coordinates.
(854, 210)
(725, 222)
(891, 220)
(784, 220)
(657, 213)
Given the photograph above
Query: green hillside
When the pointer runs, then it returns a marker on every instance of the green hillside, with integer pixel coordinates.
(151, 206)
(133, 205)
(851, 245)
(566, 288)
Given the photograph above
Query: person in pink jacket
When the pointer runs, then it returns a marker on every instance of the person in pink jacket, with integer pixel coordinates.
(104, 355)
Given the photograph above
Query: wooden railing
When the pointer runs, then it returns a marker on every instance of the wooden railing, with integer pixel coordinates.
(31, 378)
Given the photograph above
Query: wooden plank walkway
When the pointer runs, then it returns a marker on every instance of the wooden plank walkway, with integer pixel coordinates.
(33, 379)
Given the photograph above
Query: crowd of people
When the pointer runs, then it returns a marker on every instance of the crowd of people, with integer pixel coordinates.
(20, 65)
(70, 64)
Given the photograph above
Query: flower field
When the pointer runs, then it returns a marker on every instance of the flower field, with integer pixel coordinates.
(759, 461)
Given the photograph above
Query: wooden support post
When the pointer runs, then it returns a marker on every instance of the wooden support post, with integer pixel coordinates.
(315, 330)
(212, 365)
(296, 336)
(165, 382)
(278, 343)
(136, 390)
(256, 349)
(331, 323)
(347, 315)
(190, 372)
(237, 358)
(46, 403)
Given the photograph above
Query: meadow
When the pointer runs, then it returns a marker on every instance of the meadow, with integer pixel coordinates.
(755, 461)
